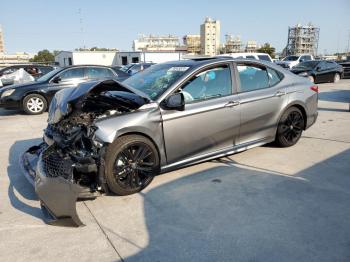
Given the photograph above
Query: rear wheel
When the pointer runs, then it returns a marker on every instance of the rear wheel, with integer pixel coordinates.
(131, 163)
(34, 104)
(336, 78)
(290, 127)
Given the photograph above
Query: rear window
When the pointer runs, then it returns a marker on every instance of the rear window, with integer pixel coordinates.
(264, 57)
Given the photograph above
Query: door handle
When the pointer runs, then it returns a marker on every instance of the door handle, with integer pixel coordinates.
(280, 93)
(232, 103)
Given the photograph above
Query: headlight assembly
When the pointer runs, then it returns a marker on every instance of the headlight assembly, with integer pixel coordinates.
(303, 74)
(7, 92)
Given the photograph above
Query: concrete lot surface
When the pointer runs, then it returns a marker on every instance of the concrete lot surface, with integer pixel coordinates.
(265, 204)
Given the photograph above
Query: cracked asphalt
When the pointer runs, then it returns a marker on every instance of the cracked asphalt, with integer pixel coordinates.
(265, 204)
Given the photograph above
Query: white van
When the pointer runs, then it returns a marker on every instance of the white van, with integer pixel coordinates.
(256, 56)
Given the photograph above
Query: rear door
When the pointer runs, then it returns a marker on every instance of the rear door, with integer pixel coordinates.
(262, 97)
(210, 121)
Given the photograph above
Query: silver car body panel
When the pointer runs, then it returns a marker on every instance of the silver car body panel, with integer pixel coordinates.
(217, 126)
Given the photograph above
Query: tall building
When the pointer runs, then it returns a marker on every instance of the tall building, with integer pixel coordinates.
(193, 44)
(156, 43)
(232, 44)
(251, 46)
(302, 40)
(210, 37)
(2, 45)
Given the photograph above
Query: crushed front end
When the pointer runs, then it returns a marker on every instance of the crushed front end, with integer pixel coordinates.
(69, 164)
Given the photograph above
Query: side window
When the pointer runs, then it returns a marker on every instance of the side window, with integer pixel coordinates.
(250, 57)
(98, 73)
(72, 74)
(252, 77)
(322, 65)
(211, 83)
(274, 77)
(330, 65)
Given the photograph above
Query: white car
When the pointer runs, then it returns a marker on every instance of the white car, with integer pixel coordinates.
(256, 56)
(292, 60)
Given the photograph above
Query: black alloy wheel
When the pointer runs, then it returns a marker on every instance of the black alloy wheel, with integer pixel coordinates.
(290, 127)
(135, 164)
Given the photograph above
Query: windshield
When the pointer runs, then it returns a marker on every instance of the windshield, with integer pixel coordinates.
(155, 80)
(307, 65)
(49, 75)
(291, 58)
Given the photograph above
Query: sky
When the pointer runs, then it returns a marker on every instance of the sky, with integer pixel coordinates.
(30, 26)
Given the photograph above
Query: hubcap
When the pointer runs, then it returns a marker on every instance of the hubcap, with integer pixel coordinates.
(35, 104)
(336, 78)
(134, 166)
(292, 126)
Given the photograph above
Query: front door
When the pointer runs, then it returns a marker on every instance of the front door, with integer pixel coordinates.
(262, 98)
(71, 77)
(210, 121)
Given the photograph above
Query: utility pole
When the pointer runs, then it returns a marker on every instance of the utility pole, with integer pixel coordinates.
(81, 27)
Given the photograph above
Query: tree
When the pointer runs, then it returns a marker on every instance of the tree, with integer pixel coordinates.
(44, 56)
(267, 48)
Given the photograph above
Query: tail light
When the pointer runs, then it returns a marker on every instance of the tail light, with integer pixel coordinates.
(314, 88)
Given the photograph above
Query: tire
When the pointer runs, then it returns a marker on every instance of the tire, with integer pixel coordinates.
(290, 127)
(130, 169)
(336, 78)
(311, 78)
(34, 104)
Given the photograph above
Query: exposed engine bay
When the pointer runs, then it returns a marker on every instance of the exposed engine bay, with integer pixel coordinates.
(70, 153)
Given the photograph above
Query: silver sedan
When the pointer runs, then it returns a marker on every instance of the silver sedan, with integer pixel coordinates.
(115, 137)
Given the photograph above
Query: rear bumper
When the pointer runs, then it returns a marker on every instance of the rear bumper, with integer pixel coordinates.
(57, 195)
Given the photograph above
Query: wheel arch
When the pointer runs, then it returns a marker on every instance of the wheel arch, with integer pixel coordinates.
(298, 105)
(144, 135)
(34, 92)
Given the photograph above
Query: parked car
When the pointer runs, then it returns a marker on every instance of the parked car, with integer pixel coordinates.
(319, 71)
(346, 67)
(135, 68)
(290, 61)
(122, 75)
(34, 97)
(34, 70)
(256, 56)
(108, 136)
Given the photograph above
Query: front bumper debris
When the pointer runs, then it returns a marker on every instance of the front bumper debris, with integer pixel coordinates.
(54, 185)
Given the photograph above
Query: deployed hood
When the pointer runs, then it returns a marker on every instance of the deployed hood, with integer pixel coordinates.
(96, 96)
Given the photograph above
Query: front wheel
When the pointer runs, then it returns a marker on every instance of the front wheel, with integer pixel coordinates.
(34, 104)
(290, 127)
(131, 163)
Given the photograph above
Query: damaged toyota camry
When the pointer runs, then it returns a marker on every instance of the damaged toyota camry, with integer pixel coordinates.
(112, 138)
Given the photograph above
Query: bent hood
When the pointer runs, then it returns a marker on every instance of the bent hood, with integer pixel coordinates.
(117, 94)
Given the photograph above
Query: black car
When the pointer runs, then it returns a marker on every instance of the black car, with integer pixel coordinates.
(34, 97)
(319, 71)
(36, 71)
(346, 66)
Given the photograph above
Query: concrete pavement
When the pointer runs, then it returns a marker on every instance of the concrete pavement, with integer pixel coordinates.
(265, 204)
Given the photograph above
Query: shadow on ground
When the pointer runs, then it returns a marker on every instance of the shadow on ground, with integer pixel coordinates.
(341, 96)
(232, 213)
(18, 182)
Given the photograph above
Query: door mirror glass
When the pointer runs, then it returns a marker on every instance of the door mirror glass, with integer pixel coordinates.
(57, 79)
(175, 102)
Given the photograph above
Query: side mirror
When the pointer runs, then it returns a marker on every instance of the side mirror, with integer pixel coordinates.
(174, 102)
(57, 79)
(301, 60)
(318, 68)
